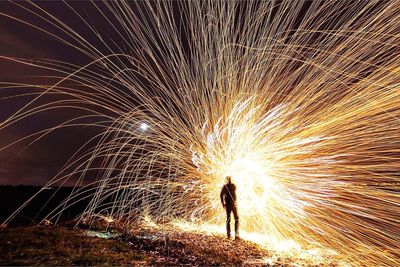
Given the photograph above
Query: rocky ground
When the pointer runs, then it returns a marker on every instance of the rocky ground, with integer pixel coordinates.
(173, 247)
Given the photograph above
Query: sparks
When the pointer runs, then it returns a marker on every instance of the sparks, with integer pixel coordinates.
(298, 101)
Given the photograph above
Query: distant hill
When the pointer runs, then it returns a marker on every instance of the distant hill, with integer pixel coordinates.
(12, 197)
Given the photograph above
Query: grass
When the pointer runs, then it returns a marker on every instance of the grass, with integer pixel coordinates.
(61, 247)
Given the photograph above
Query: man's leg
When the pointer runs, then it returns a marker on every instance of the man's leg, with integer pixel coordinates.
(236, 216)
(228, 222)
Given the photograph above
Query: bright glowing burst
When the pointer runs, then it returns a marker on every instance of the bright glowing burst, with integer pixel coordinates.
(298, 101)
(144, 126)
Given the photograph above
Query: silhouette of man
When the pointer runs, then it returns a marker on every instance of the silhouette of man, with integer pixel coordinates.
(228, 200)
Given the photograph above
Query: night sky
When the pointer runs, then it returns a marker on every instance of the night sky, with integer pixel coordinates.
(35, 164)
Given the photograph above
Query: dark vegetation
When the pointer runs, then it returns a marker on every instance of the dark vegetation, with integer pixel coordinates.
(63, 247)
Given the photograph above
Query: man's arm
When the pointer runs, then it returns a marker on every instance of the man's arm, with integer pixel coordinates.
(222, 196)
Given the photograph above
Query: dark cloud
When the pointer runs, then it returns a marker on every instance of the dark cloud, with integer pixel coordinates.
(22, 169)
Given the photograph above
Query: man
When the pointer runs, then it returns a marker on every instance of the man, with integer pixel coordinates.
(228, 199)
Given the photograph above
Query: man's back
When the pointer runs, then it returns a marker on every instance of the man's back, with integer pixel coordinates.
(229, 194)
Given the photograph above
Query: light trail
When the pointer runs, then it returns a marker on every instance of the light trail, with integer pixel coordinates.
(298, 101)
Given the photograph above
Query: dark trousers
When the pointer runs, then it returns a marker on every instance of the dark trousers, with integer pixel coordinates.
(229, 210)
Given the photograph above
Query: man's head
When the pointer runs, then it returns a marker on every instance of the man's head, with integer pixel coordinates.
(228, 179)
